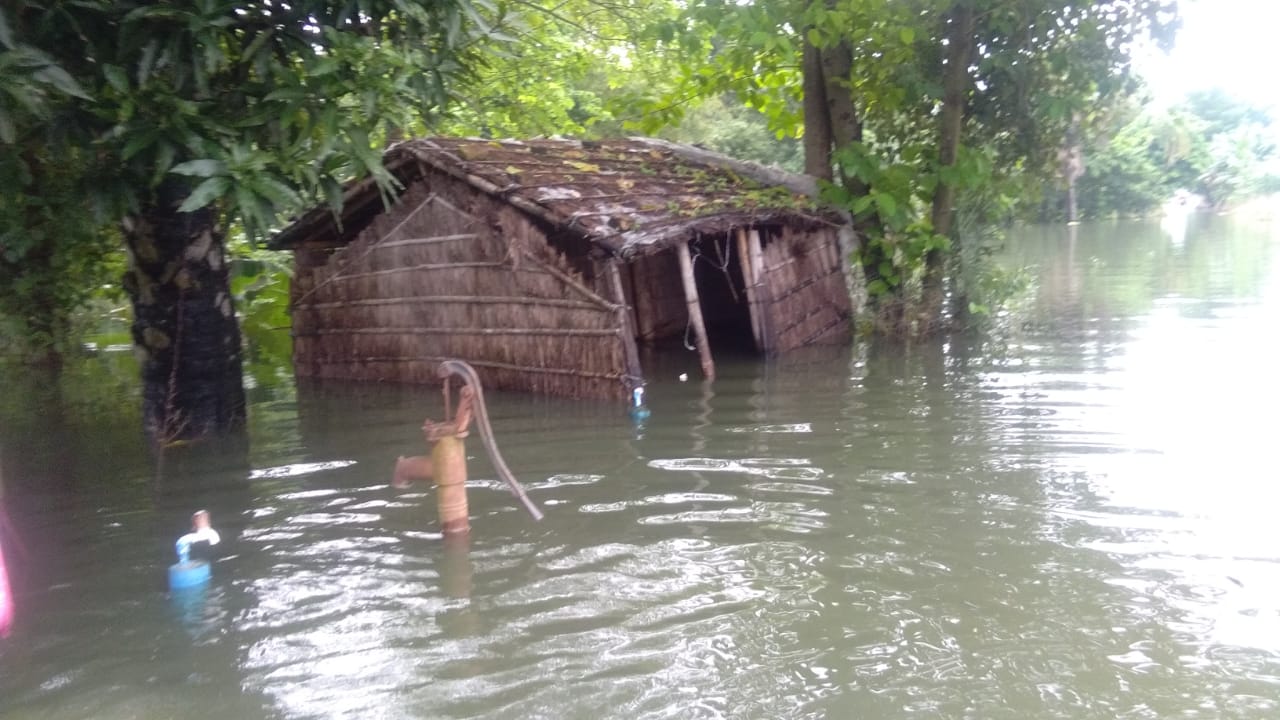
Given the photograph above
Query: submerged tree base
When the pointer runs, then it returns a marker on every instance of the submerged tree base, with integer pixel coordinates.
(184, 327)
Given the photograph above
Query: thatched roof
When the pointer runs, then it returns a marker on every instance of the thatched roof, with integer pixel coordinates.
(629, 196)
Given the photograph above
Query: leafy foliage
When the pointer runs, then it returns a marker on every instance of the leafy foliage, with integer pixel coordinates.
(726, 126)
(258, 107)
(1212, 145)
(565, 68)
(260, 287)
(1037, 68)
(264, 105)
(55, 254)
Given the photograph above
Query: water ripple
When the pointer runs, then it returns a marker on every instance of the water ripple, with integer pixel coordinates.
(774, 468)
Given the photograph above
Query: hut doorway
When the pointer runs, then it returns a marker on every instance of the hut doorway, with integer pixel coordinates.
(661, 309)
(722, 294)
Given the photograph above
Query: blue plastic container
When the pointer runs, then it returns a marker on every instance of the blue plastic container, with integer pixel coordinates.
(188, 574)
(638, 410)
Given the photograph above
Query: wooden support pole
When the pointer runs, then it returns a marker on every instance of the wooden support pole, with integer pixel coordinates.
(748, 282)
(519, 300)
(763, 293)
(564, 277)
(695, 311)
(625, 327)
(461, 330)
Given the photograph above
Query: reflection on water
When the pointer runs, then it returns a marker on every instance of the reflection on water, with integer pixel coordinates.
(1074, 522)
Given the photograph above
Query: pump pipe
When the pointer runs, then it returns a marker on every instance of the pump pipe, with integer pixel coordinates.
(468, 375)
(449, 467)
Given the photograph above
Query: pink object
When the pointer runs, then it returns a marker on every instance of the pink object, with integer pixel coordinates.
(6, 598)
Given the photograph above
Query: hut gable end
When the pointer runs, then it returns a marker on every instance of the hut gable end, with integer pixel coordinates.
(451, 273)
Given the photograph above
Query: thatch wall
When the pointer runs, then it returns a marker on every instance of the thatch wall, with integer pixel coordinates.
(806, 300)
(801, 295)
(448, 272)
(655, 296)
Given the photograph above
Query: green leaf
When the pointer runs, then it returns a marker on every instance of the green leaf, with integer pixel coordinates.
(907, 35)
(116, 77)
(147, 62)
(205, 193)
(281, 196)
(6, 35)
(257, 43)
(164, 160)
(60, 79)
(333, 195)
(138, 143)
(877, 287)
(288, 93)
(888, 206)
(200, 168)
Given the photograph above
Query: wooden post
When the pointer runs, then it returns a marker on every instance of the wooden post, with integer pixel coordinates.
(748, 282)
(626, 327)
(695, 311)
(763, 293)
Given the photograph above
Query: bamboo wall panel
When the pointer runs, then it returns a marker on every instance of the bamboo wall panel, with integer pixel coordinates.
(658, 296)
(808, 303)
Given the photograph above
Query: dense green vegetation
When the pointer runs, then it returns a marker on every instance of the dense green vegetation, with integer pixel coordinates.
(1212, 146)
(170, 122)
(184, 130)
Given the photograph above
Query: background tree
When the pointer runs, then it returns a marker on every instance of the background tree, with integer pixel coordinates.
(52, 243)
(1211, 145)
(904, 104)
(205, 113)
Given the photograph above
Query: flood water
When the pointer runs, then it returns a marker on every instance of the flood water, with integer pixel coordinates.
(1075, 520)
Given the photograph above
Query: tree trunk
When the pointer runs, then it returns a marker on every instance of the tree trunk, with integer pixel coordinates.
(831, 121)
(184, 327)
(842, 113)
(955, 89)
(845, 127)
(818, 164)
(817, 117)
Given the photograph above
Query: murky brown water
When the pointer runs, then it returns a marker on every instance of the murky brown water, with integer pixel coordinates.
(1076, 523)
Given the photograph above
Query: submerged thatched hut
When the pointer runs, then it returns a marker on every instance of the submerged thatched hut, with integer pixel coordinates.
(545, 263)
